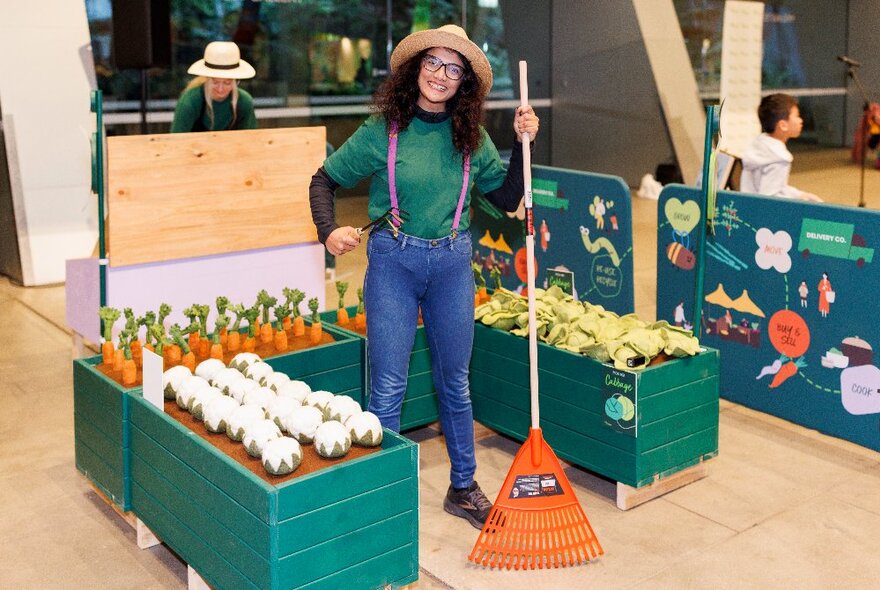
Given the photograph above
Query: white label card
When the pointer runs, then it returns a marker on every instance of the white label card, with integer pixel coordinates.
(153, 379)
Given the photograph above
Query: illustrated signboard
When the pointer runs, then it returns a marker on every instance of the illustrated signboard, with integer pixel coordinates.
(790, 301)
(583, 236)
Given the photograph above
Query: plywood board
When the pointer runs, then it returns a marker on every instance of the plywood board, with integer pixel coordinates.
(188, 195)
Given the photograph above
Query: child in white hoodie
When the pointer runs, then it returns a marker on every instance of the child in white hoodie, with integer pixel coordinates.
(767, 162)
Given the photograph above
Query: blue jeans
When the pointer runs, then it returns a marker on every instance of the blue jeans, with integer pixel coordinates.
(403, 274)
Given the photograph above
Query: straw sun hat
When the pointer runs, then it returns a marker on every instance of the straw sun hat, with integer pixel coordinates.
(449, 36)
(222, 60)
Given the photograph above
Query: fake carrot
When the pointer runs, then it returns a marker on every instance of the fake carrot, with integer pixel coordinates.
(222, 304)
(233, 339)
(172, 355)
(298, 323)
(192, 313)
(316, 331)
(119, 354)
(342, 318)
(164, 311)
(108, 317)
(251, 313)
(129, 369)
(188, 359)
(216, 347)
(786, 371)
(267, 301)
(288, 302)
(281, 313)
(360, 318)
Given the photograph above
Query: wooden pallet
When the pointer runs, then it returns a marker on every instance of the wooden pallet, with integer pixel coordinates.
(145, 537)
(630, 497)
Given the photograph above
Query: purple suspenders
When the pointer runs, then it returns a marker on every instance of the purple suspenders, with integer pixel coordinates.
(392, 188)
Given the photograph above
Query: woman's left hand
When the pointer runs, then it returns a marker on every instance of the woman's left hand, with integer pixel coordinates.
(526, 121)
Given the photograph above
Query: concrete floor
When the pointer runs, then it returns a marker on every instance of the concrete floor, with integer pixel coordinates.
(783, 506)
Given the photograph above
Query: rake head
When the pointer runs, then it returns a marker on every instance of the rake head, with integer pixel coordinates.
(536, 521)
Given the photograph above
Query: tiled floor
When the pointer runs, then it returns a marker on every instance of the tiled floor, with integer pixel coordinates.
(783, 506)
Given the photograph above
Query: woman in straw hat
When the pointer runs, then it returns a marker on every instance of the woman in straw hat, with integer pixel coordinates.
(213, 101)
(427, 139)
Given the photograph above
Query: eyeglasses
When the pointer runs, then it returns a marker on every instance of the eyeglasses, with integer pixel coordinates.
(432, 63)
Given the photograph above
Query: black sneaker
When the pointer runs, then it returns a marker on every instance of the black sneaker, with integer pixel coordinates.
(471, 504)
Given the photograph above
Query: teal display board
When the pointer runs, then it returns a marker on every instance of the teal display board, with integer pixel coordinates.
(583, 237)
(790, 300)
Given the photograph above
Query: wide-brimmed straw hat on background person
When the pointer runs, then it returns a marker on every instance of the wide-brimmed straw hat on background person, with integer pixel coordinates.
(222, 60)
(449, 36)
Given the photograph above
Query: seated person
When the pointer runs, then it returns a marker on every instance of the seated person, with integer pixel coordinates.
(213, 101)
(767, 161)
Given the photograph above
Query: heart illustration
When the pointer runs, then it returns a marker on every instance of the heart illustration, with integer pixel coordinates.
(683, 216)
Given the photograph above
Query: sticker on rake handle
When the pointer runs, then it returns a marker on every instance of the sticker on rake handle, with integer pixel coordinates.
(534, 486)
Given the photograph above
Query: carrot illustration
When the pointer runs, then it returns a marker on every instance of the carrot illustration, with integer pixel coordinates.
(342, 313)
(222, 304)
(787, 370)
(233, 339)
(267, 301)
(129, 369)
(108, 317)
(298, 323)
(360, 318)
(281, 312)
(188, 359)
(251, 313)
(216, 346)
(316, 331)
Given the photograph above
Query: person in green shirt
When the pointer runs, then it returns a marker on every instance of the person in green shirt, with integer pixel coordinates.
(423, 151)
(213, 101)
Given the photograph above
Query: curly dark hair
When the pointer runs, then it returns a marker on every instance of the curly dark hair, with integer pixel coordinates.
(396, 101)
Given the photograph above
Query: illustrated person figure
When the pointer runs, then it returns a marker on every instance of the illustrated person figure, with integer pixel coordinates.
(803, 291)
(213, 101)
(427, 137)
(679, 314)
(600, 214)
(824, 287)
(767, 161)
(723, 323)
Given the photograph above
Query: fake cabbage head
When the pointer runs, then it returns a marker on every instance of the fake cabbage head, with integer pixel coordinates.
(302, 423)
(257, 434)
(332, 440)
(282, 455)
(172, 378)
(364, 429)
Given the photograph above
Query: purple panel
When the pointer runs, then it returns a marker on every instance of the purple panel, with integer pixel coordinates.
(238, 276)
(83, 298)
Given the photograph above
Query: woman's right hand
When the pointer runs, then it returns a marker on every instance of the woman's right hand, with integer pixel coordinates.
(342, 240)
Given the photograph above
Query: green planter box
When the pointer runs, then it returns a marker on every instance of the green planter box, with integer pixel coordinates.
(420, 400)
(352, 525)
(101, 434)
(672, 423)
